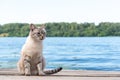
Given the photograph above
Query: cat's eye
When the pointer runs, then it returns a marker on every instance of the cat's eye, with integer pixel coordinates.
(42, 32)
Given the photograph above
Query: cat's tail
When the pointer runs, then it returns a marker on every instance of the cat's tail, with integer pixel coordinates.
(48, 72)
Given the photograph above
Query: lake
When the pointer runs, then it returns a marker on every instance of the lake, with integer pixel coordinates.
(72, 53)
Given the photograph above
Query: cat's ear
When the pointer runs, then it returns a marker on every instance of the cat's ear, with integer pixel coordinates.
(32, 27)
(42, 26)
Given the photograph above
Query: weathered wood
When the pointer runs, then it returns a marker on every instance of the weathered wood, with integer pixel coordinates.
(12, 74)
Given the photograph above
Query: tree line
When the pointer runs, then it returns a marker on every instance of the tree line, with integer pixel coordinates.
(64, 29)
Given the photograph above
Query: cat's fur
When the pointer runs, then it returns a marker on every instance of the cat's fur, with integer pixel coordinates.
(32, 61)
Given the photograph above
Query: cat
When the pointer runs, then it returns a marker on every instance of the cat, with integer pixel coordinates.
(32, 61)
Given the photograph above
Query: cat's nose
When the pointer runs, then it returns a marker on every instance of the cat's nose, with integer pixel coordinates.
(38, 33)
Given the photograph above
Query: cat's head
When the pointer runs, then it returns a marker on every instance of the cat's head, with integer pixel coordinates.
(37, 33)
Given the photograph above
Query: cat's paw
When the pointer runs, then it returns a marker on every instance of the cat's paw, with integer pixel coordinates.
(27, 73)
(42, 74)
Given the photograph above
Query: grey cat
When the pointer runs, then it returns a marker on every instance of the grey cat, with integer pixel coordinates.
(32, 61)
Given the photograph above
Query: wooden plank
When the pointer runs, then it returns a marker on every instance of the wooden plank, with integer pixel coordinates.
(12, 74)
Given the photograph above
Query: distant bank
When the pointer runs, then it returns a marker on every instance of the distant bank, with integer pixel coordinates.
(64, 29)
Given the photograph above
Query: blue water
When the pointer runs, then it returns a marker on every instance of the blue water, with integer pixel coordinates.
(76, 53)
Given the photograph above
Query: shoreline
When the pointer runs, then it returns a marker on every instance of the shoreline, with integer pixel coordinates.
(12, 74)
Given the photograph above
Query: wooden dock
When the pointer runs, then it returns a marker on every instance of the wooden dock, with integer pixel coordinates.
(12, 74)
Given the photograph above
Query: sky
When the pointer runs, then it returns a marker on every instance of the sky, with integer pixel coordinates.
(43, 11)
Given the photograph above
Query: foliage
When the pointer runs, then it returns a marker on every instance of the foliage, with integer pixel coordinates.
(64, 29)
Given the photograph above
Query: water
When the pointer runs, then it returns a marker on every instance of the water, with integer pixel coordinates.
(76, 53)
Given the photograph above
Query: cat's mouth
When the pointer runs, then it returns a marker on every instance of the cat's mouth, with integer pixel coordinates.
(41, 37)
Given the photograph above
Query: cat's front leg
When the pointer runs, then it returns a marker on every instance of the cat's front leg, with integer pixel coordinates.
(27, 66)
(20, 67)
(40, 69)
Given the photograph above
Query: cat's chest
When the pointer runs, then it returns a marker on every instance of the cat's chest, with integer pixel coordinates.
(32, 50)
